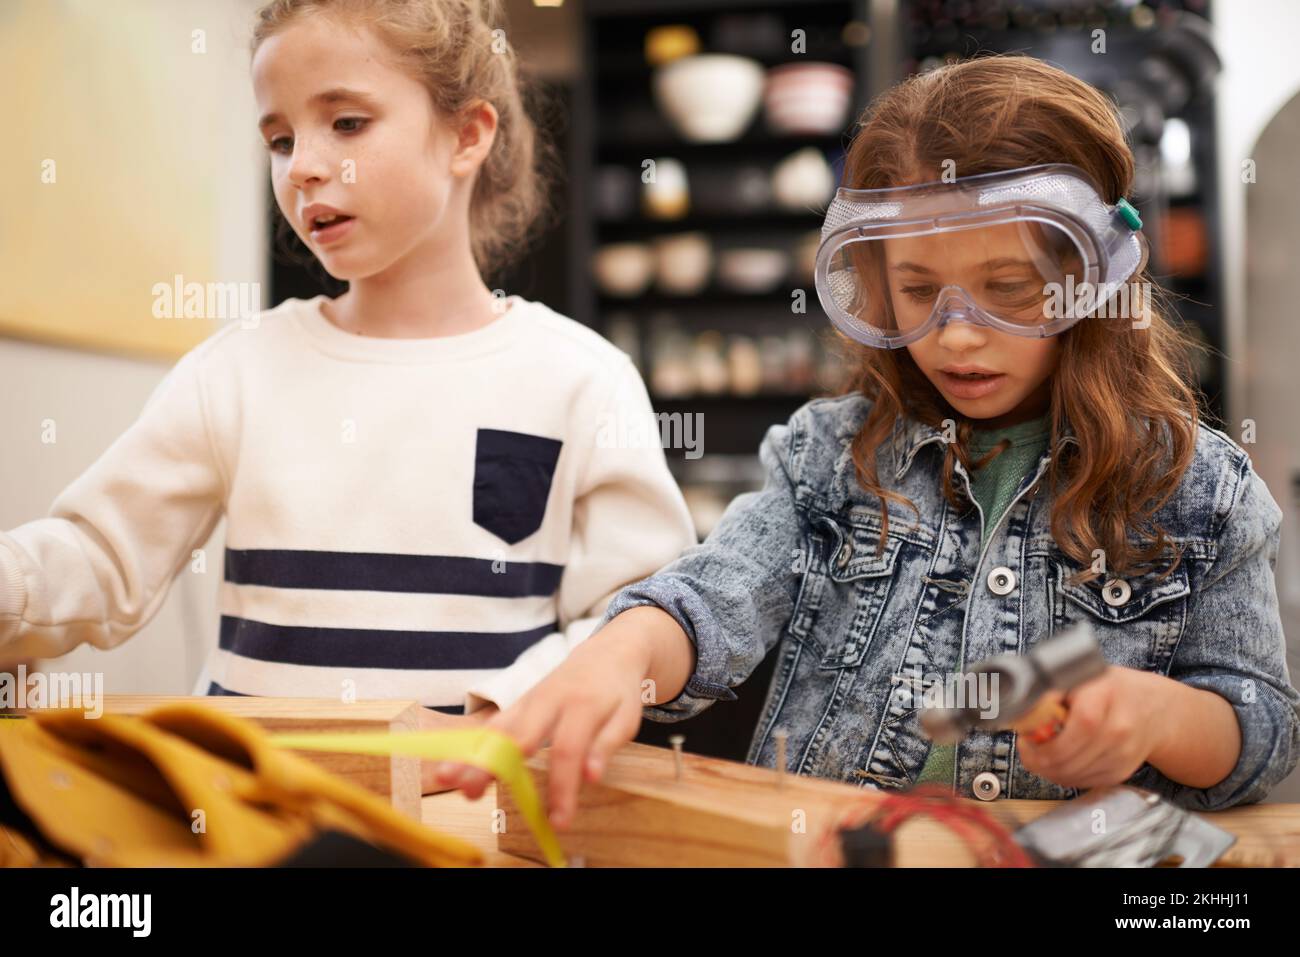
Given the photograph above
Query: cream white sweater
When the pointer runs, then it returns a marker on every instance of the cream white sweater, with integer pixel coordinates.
(436, 519)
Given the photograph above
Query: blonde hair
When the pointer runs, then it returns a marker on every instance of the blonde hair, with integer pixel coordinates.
(457, 49)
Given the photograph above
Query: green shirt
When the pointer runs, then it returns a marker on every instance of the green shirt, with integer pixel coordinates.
(994, 486)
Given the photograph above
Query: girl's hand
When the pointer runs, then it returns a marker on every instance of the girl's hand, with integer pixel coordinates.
(587, 708)
(430, 720)
(1116, 722)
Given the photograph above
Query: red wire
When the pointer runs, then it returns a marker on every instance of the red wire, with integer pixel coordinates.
(991, 843)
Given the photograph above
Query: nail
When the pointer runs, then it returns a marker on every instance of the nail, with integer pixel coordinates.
(780, 735)
(677, 740)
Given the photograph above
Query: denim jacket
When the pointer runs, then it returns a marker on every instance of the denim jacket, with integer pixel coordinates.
(796, 566)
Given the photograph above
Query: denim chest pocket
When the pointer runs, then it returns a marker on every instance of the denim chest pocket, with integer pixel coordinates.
(512, 481)
(1137, 620)
(853, 576)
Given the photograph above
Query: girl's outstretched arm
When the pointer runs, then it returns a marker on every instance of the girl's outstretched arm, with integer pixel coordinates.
(97, 568)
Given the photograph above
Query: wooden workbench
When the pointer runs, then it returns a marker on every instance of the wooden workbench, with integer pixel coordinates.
(639, 806)
(1268, 835)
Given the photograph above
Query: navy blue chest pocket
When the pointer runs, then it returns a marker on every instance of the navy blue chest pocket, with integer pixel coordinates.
(512, 481)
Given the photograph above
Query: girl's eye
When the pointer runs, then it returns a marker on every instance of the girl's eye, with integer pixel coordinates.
(344, 124)
(1014, 292)
(920, 293)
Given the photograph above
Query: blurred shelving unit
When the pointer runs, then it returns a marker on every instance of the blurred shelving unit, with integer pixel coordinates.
(618, 126)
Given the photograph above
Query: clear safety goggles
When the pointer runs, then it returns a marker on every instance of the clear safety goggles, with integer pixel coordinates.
(1019, 251)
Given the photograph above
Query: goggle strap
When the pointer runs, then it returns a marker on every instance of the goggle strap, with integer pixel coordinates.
(1124, 209)
(1124, 223)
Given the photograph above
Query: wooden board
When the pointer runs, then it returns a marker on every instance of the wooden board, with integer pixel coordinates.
(728, 814)
(719, 814)
(476, 822)
(396, 778)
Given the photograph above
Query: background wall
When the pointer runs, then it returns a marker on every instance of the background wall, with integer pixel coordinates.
(157, 146)
(1259, 119)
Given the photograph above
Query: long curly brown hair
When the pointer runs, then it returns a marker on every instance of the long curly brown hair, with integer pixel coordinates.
(1127, 397)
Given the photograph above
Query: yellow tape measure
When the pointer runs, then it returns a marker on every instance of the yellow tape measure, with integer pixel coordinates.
(483, 748)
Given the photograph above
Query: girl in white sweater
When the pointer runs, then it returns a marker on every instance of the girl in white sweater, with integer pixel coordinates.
(419, 502)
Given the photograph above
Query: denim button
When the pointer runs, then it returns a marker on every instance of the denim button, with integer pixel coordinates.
(1116, 592)
(1002, 580)
(845, 554)
(986, 786)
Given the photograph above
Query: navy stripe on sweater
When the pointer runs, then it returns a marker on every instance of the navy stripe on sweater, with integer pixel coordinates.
(377, 571)
(376, 648)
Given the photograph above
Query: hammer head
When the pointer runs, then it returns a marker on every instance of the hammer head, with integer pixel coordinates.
(1062, 662)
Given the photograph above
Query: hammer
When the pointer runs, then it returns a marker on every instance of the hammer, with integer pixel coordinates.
(1021, 684)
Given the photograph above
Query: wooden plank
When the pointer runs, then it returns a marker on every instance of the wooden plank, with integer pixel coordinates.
(719, 814)
(453, 814)
(1268, 835)
(729, 814)
(395, 778)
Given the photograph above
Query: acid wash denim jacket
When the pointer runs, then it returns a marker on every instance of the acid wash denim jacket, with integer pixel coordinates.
(796, 566)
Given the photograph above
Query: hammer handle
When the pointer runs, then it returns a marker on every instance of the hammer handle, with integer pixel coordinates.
(1045, 719)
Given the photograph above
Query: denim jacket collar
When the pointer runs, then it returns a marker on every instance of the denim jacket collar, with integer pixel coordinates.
(909, 435)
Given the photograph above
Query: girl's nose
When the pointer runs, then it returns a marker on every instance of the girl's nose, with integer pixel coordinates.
(307, 164)
(958, 330)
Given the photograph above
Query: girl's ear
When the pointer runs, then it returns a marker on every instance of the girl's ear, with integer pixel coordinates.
(478, 130)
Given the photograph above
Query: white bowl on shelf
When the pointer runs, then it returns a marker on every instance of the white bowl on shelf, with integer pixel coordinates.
(685, 261)
(803, 180)
(755, 270)
(711, 97)
(623, 269)
(807, 99)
